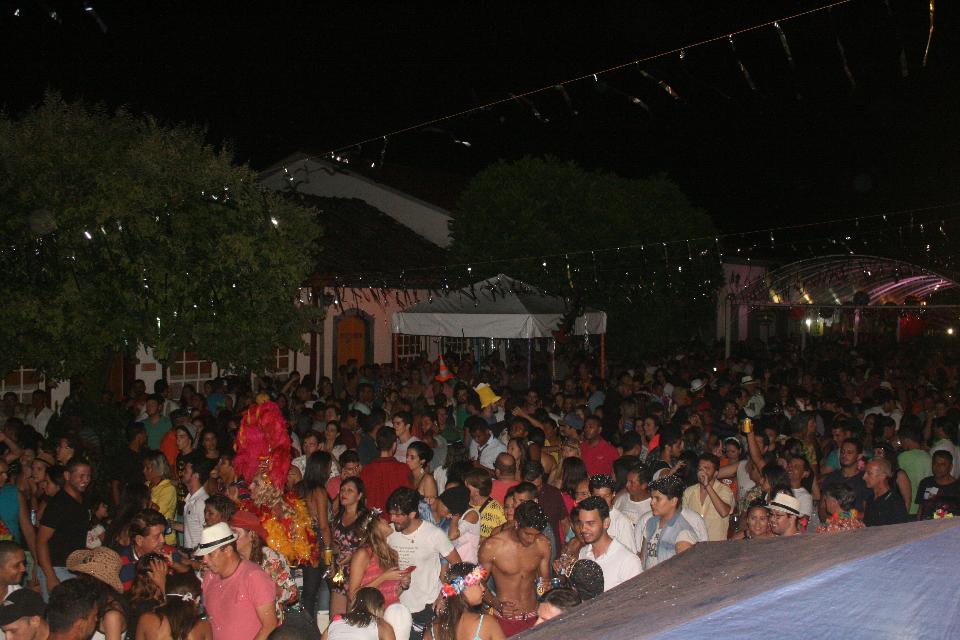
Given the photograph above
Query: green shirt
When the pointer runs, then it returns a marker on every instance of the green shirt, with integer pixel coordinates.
(155, 432)
(916, 464)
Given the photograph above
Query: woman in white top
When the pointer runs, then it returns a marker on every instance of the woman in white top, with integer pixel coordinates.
(364, 621)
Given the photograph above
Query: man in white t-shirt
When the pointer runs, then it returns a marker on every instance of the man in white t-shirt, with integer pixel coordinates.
(39, 414)
(195, 475)
(402, 423)
(619, 564)
(621, 528)
(634, 501)
(419, 546)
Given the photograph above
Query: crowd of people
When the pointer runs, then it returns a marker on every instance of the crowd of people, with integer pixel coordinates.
(457, 500)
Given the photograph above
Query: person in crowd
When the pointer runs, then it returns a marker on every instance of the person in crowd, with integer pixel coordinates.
(156, 424)
(374, 564)
(251, 545)
(505, 475)
(238, 595)
(557, 602)
(841, 510)
(464, 527)
(757, 522)
(710, 498)
(618, 563)
(22, 616)
(461, 616)
(195, 474)
(384, 474)
(149, 584)
(178, 618)
(418, 456)
(484, 448)
(785, 515)
(851, 469)
(913, 459)
(518, 559)
(346, 533)
(419, 546)
(620, 528)
(942, 484)
(128, 468)
(480, 485)
(364, 621)
(163, 493)
(901, 482)
(634, 500)
(885, 506)
(146, 537)
(403, 425)
(218, 508)
(667, 533)
(99, 570)
(63, 528)
(72, 611)
(313, 490)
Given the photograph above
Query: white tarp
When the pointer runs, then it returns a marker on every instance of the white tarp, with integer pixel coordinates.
(498, 307)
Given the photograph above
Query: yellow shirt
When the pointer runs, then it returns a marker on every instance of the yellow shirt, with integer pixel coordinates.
(490, 518)
(716, 525)
(164, 495)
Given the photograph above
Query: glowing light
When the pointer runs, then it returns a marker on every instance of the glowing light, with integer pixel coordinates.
(808, 322)
(950, 331)
(274, 221)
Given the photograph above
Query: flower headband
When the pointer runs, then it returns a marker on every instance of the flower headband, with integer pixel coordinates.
(458, 584)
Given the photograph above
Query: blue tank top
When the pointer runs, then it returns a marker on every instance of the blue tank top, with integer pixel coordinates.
(10, 510)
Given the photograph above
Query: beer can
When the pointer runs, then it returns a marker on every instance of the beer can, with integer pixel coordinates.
(747, 425)
(328, 557)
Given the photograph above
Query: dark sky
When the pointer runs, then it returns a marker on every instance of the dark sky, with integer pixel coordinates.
(274, 76)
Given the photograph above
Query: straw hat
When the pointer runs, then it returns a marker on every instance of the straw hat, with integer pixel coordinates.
(102, 563)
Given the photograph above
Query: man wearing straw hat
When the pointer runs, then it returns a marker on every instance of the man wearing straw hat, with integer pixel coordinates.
(239, 596)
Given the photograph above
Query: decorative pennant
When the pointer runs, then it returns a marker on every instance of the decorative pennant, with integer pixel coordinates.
(743, 68)
(533, 108)
(904, 67)
(663, 85)
(842, 51)
(926, 51)
(566, 99)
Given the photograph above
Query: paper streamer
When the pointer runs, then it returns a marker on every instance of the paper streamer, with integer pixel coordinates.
(566, 99)
(904, 67)
(743, 68)
(533, 108)
(663, 85)
(784, 44)
(842, 52)
(926, 51)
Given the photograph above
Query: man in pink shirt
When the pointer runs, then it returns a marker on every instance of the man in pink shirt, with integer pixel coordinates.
(239, 596)
(598, 454)
(505, 473)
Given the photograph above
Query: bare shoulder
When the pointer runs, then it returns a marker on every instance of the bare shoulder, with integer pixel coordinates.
(201, 631)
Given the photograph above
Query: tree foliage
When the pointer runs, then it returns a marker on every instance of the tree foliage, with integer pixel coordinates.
(118, 231)
(512, 213)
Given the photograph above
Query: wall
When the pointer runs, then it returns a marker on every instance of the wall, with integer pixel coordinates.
(737, 276)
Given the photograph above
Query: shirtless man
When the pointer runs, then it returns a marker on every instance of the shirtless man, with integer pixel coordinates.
(517, 557)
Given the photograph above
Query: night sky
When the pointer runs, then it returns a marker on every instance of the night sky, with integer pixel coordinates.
(273, 77)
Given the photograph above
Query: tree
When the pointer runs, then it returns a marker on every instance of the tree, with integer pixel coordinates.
(511, 214)
(118, 232)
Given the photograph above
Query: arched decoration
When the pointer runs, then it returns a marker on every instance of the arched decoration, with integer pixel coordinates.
(845, 280)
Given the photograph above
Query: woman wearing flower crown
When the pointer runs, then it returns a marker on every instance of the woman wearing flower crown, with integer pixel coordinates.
(462, 617)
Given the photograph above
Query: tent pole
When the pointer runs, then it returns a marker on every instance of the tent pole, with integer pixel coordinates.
(603, 356)
(396, 351)
(553, 360)
(529, 360)
(856, 326)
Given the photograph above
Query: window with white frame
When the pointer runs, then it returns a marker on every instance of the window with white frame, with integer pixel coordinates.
(23, 382)
(456, 345)
(282, 360)
(410, 347)
(189, 368)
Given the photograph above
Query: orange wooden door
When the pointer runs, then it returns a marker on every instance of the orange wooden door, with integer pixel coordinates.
(351, 340)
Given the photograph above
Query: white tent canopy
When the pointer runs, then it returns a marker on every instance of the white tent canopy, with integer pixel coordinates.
(498, 307)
